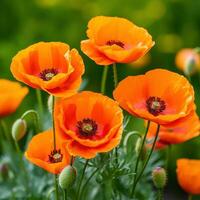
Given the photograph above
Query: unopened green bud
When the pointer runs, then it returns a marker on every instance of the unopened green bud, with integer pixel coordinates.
(67, 177)
(159, 177)
(190, 67)
(19, 129)
(138, 147)
(99, 178)
(50, 103)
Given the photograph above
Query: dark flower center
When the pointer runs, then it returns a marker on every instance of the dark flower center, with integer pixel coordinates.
(55, 156)
(48, 74)
(117, 42)
(87, 127)
(155, 105)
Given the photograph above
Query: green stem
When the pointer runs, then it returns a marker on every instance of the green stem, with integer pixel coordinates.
(65, 194)
(53, 124)
(21, 164)
(141, 150)
(17, 148)
(39, 99)
(103, 80)
(115, 75)
(56, 186)
(146, 161)
(54, 146)
(94, 172)
(81, 180)
(115, 85)
(116, 155)
(86, 183)
(160, 194)
(189, 197)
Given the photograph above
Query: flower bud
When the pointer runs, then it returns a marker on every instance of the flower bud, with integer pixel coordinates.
(50, 103)
(190, 66)
(159, 177)
(188, 60)
(99, 178)
(19, 129)
(138, 147)
(67, 177)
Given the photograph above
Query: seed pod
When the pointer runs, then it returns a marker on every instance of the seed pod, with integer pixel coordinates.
(19, 129)
(67, 177)
(159, 177)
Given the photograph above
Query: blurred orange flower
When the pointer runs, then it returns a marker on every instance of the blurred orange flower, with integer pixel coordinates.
(188, 174)
(188, 60)
(115, 40)
(11, 95)
(185, 129)
(90, 123)
(160, 96)
(40, 152)
(50, 66)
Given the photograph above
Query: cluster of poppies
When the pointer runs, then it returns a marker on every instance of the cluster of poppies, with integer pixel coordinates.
(86, 123)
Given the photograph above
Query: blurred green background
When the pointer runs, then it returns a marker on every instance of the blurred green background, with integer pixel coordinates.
(174, 24)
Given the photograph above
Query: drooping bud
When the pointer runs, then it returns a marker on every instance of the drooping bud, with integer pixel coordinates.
(138, 147)
(19, 129)
(50, 103)
(67, 177)
(159, 177)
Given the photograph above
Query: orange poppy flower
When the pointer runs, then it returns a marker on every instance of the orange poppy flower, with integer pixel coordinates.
(159, 95)
(188, 175)
(40, 152)
(11, 96)
(175, 133)
(50, 66)
(90, 123)
(115, 40)
(186, 56)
